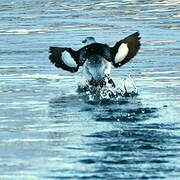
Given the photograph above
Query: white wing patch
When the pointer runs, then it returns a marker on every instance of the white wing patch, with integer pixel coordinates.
(68, 60)
(122, 53)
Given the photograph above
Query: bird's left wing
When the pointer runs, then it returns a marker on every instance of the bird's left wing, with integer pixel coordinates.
(64, 58)
(125, 49)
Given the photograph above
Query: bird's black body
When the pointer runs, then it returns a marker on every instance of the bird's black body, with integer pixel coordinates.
(102, 50)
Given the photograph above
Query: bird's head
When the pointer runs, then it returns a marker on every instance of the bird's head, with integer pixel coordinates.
(89, 40)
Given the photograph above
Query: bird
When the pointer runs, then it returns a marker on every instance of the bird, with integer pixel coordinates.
(96, 58)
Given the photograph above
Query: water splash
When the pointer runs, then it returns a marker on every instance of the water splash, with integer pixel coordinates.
(125, 88)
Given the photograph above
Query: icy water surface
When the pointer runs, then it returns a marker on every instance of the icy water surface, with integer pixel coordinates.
(49, 131)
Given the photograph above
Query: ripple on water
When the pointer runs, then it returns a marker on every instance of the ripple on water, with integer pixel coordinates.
(86, 136)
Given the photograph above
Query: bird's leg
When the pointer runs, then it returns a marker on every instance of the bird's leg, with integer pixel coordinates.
(92, 82)
(95, 83)
(102, 82)
(110, 81)
(106, 79)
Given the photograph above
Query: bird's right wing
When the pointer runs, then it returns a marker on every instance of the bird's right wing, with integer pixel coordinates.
(65, 58)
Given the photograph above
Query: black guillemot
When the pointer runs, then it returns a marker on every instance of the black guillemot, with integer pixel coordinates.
(96, 58)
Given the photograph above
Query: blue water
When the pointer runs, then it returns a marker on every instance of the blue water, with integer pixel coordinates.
(50, 131)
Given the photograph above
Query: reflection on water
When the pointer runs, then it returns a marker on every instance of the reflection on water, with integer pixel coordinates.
(50, 131)
(137, 152)
(135, 149)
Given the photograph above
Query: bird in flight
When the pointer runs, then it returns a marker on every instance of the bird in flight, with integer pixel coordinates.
(96, 58)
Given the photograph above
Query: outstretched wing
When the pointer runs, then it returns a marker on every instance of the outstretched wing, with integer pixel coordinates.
(125, 49)
(65, 58)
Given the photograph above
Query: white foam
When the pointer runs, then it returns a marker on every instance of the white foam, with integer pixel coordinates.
(68, 60)
(122, 53)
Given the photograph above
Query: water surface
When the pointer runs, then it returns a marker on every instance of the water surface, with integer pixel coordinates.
(48, 131)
